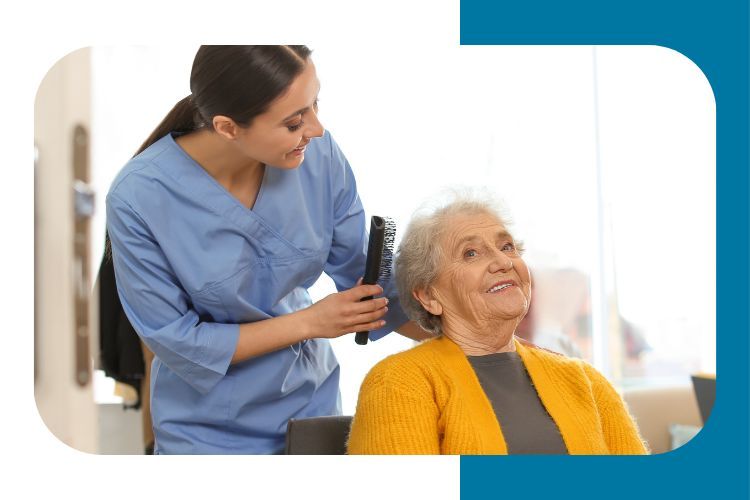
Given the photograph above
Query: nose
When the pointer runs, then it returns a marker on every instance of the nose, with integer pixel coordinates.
(315, 128)
(500, 262)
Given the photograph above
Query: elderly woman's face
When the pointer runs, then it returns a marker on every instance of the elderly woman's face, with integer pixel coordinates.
(483, 278)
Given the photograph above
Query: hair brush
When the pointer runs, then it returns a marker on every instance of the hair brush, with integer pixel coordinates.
(379, 258)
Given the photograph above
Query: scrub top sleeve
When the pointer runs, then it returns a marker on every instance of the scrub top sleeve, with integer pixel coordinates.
(159, 309)
(348, 254)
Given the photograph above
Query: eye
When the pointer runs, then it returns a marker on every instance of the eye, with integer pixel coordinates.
(509, 247)
(470, 253)
(296, 126)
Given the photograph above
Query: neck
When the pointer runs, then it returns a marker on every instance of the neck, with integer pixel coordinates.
(476, 342)
(225, 163)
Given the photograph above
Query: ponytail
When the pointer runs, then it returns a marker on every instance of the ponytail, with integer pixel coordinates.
(183, 117)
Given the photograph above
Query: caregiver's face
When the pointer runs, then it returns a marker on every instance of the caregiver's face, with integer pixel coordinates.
(279, 136)
(483, 278)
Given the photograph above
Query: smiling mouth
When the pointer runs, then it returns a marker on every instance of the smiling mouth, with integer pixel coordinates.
(498, 287)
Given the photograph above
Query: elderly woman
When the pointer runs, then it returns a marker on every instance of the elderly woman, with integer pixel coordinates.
(477, 389)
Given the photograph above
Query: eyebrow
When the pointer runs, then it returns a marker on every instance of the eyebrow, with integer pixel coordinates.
(474, 237)
(302, 110)
(298, 112)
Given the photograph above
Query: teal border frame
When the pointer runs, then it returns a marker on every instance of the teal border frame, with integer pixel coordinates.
(714, 35)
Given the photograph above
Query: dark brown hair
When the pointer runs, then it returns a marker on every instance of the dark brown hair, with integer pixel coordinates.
(238, 81)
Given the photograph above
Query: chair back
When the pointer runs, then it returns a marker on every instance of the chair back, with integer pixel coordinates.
(317, 435)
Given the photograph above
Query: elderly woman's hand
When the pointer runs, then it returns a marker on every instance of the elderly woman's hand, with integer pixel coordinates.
(343, 312)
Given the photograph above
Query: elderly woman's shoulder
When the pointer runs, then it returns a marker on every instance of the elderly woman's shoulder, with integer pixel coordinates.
(417, 362)
(561, 363)
(552, 357)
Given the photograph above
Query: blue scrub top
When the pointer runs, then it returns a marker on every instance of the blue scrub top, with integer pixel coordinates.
(192, 263)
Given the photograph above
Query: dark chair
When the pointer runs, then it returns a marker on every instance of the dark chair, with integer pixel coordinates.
(317, 435)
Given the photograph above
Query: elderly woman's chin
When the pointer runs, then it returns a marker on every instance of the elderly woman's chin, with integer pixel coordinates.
(506, 308)
(514, 305)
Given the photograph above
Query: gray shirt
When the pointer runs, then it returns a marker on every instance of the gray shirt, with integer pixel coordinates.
(525, 423)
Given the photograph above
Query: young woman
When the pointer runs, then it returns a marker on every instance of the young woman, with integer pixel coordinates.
(234, 206)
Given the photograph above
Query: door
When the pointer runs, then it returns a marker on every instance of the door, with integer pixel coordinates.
(64, 328)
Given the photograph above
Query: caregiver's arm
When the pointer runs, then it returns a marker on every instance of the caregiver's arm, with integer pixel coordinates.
(334, 316)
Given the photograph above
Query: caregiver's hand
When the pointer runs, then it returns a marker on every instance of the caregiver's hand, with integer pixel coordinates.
(342, 313)
(335, 315)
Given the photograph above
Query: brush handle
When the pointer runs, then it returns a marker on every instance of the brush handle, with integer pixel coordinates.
(372, 266)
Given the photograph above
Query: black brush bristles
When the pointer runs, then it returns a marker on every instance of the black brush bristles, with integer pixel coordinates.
(379, 258)
(389, 237)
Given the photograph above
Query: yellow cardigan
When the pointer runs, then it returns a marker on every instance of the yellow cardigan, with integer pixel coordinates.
(428, 400)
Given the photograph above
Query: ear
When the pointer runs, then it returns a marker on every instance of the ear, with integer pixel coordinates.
(225, 127)
(425, 297)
